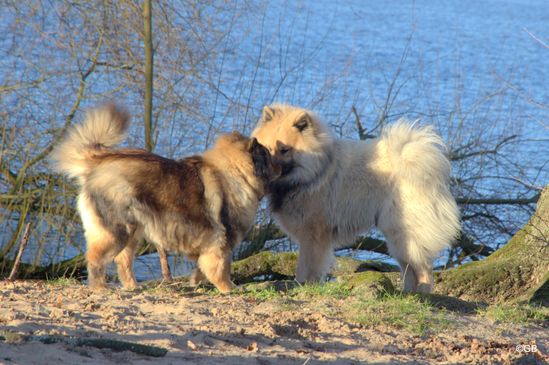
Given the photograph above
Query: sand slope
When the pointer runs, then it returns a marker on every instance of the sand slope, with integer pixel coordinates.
(205, 328)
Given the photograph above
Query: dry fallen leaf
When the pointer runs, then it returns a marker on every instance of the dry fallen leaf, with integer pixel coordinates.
(59, 301)
(252, 347)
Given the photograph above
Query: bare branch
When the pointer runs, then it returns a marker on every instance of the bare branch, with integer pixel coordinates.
(498, 201)
(463, 156)
(20, 253)
(536, 38)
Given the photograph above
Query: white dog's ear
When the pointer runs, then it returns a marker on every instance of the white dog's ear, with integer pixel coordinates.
(268, 114)
(303, 122)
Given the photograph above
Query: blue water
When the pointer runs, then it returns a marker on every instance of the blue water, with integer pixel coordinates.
(347, 53)
(471, 68)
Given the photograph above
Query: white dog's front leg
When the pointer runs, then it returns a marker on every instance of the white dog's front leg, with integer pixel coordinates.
(314, 262)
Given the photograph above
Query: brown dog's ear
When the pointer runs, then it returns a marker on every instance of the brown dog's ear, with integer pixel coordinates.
(252, 144)
(303, 122)
(267, 114)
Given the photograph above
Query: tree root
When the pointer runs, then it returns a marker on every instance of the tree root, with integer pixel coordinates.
(100, 343)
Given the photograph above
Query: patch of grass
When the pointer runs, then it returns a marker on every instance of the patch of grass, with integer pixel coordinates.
(12, 337)
(276, 290)
(332, 289)
(408, 312)
(262, 294)
(61, 281)
(515, 314)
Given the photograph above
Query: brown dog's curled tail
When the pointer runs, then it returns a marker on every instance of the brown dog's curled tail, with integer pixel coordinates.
(103, 127)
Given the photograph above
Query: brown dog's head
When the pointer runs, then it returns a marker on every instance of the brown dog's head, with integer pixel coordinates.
(264, 166)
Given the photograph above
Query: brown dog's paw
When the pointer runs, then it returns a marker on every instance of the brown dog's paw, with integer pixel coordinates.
(197, 278)
(226, 288)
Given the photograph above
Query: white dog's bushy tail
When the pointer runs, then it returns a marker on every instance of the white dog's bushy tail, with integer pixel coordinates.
(103, 127)
(421, 171)
(416, 154)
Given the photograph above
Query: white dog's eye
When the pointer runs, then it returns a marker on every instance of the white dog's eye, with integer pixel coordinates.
(303, 123)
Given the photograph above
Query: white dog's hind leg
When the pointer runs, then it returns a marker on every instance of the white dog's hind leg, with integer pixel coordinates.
(408, 276)
(424, 275)
(417, 277)
(415, 268)
(315, 260)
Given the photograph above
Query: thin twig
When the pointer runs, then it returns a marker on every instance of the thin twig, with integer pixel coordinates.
(13, 272)
(536, 38)
(498, 201)
(362, 133)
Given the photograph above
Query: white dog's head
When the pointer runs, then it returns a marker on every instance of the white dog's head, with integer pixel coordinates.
(297, 140)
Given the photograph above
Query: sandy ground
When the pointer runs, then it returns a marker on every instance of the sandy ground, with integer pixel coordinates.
(205, 328)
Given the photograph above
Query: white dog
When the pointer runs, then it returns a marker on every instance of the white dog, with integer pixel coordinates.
(332, 190)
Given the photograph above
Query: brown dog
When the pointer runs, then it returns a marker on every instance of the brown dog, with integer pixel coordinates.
(201, 205)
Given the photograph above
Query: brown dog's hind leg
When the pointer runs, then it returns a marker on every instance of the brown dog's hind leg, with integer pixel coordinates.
(124, 263)
(197, 277)
(100, 242)
(215, 264)
(99, 253)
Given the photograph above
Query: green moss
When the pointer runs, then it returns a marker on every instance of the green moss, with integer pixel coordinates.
(268, 289)
(368, 284)
(517, 272)
(349, 265)
(282, 265)
(271, 266)
(540, 294)
(497, 281)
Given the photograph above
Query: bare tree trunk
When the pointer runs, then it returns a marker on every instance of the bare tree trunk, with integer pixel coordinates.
(519, 271)
(147, 18)
(149, 142)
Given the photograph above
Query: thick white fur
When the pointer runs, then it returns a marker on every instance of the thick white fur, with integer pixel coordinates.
(340, 189)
